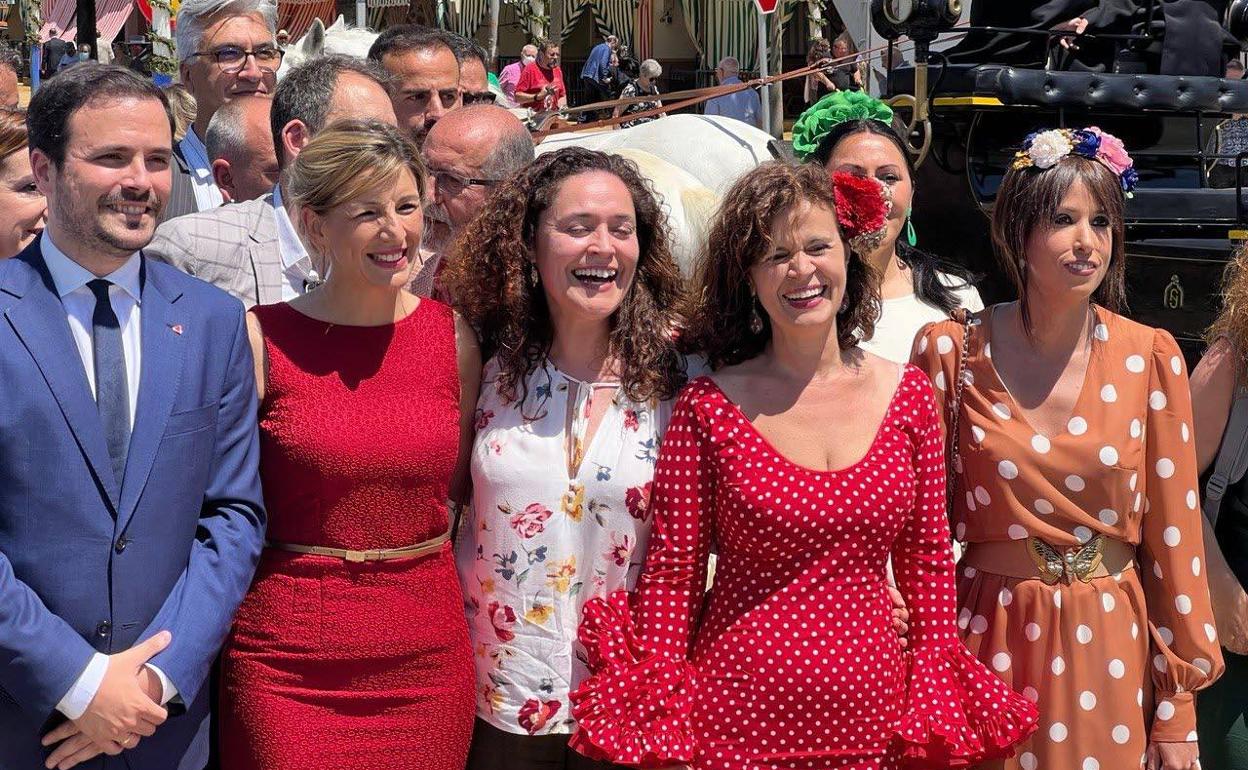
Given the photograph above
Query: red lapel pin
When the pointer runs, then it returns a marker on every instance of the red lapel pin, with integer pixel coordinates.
(176, 328)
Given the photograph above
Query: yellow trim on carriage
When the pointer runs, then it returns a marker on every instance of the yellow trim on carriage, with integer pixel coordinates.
(967, 101)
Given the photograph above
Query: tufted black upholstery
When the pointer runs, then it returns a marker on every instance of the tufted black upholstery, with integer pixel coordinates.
(1030, 87)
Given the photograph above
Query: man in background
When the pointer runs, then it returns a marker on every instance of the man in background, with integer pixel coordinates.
(510, 76)
(474, 71)
(744, 105)
(53, 50)
(597, 75)
(226, 50)
(541, 86)
(240, 145)
(425, 74)
(467, 153)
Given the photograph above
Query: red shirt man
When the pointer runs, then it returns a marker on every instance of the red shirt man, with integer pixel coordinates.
(541, 83)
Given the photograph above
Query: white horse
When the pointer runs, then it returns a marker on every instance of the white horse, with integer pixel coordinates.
(715, 150)
(319, 39)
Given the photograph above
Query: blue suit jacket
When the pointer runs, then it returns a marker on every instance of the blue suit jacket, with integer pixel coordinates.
(89, 565)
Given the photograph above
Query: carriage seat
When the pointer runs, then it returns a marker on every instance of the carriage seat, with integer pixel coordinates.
(1017, 86)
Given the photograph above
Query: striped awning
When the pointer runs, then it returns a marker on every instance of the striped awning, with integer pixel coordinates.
(722, 28)
(466, 16)
(111, 16)
(611, 17)
(295, 16)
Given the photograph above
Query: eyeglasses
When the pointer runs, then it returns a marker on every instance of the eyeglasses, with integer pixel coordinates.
(232, 58)
(453, 184)
(477, 97)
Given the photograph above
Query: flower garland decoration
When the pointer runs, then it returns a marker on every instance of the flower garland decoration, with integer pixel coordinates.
(826, 114)
(1044, 149)
(863, 204)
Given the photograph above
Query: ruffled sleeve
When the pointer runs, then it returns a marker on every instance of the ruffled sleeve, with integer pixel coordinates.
(635, 707)
(957, 713)
(1186, 656)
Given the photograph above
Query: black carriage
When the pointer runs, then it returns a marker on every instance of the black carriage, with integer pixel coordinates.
(1181, 230)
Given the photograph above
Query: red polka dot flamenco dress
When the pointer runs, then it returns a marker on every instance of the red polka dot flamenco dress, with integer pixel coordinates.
(791, 659)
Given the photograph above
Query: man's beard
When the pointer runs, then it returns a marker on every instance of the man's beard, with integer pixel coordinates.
(90, 230)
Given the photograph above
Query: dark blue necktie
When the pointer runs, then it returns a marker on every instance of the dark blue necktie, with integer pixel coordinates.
(111, 395)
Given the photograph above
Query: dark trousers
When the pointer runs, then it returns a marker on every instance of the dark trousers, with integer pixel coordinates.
(494, 749)
(1222, 718)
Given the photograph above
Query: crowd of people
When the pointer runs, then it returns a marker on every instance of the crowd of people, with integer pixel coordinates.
(350, 426)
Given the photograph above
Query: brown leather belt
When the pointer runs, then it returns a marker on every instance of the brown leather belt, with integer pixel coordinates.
(1035, 558)
(381, 554)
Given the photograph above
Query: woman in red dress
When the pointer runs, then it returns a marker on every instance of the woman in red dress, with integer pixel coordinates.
(805, 463)
(351, 650)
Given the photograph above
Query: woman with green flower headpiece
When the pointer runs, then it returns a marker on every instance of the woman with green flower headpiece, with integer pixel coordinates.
(851, 131)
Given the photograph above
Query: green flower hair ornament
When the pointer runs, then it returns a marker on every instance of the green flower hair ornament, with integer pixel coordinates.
(829, 112)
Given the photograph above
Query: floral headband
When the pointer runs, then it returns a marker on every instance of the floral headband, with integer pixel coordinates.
(829, 112)
(863, 204)
(1043, 150)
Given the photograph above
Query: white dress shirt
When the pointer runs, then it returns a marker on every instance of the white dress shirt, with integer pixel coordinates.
(125, 295)
(296, 263)
(207, 194)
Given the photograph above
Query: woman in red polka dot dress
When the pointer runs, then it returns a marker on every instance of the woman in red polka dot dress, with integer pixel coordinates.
(804, 462)
(1083, 582)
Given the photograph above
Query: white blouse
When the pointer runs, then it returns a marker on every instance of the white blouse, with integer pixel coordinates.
(539, 541)
(901, 318)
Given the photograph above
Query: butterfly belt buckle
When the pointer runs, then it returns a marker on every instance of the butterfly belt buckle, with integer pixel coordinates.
(1068, 564)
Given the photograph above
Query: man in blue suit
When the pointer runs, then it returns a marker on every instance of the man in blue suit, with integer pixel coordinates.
(130, 510)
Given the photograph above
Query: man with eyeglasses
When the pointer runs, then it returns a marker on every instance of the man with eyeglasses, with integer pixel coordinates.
(474, 71)
(467, 153)
(227, 50)
(425, 69)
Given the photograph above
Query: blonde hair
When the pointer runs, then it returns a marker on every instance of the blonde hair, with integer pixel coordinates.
(1232, 322)
(184, 107)
(348, 159)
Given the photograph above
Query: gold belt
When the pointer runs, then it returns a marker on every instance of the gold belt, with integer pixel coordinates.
(1035, 558)
(380, 554)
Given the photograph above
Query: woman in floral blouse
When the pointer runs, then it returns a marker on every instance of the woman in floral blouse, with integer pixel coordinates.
(572, 409)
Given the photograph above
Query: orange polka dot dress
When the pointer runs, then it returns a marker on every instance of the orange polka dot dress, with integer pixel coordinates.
(1115, 660)
(791, 660)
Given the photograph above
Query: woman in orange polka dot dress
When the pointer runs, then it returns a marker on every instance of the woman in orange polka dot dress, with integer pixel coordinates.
(1082, 584)
(791, 660)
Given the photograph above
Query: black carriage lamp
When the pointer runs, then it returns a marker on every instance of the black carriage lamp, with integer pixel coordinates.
(922, 21)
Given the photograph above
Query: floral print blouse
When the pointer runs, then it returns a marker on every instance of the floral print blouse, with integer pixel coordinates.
(554, 522)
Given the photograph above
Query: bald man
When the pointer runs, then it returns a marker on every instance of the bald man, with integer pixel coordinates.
(240, 148)
(467, 152)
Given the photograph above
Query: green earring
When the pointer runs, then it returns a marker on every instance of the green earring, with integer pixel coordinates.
(912, 237)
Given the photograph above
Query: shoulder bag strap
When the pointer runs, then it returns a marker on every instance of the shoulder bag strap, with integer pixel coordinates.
(1232, 460)
(953, 460)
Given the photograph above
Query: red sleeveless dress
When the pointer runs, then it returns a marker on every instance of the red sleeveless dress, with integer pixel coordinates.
(343, 665)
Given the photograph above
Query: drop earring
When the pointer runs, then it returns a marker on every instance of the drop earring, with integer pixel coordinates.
(756, 319)
(531, 273)
(912, 237)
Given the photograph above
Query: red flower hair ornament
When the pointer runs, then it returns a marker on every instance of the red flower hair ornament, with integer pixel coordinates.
(863, 204)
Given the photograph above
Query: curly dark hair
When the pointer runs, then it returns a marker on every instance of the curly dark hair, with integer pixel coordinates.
(722, 303)
(486, 277)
